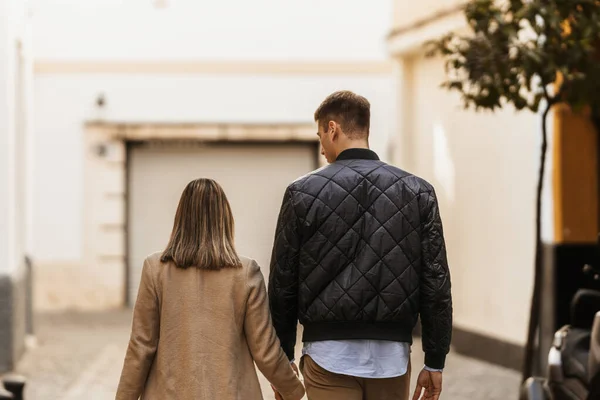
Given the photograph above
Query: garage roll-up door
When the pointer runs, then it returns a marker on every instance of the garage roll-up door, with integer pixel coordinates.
(254, 178)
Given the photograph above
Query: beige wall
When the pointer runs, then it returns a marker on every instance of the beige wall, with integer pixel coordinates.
(407, 13)
(484, 169)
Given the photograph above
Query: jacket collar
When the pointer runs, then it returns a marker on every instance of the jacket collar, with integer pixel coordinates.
(357, 154)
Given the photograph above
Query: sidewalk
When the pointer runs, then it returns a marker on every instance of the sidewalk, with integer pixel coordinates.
(79, 356)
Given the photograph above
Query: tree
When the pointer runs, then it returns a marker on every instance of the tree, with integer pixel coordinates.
(528, 54)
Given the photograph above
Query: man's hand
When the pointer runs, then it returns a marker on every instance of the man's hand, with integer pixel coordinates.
(431, 382)
(279, 396)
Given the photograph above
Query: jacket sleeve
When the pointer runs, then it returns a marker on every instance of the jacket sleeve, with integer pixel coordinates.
(436, 298)
(262, 339)
(283, 279)
(144, 339)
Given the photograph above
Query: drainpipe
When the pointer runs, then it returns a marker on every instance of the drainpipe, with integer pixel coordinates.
(29, 296)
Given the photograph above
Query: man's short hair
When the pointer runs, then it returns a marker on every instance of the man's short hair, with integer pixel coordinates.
(350, 110)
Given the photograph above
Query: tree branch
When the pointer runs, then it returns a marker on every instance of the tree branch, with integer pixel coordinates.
(552, 99)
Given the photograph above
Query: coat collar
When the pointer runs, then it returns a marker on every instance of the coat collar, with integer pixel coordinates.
(357, 154)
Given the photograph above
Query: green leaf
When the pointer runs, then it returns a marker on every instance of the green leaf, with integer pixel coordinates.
(517, 48)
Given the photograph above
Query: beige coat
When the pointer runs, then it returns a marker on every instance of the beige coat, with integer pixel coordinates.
(196, 334)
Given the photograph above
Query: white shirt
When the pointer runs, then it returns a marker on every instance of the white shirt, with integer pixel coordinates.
(361, 358)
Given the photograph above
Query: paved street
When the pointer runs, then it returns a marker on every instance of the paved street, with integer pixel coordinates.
(79, 356)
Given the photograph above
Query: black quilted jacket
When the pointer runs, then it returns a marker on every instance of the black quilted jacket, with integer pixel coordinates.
(359, 254)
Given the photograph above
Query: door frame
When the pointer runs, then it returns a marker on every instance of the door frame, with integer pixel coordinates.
(106, 168)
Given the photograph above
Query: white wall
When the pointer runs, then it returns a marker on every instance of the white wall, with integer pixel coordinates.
(5, 142)
(116, 31)
(208, 29)
(409, 12)
(13, 29)
(64, 103)
(484, 168)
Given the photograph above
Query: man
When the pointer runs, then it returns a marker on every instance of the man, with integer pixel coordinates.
(359, 254)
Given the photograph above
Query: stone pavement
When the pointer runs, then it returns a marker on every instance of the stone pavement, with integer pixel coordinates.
(79, 356)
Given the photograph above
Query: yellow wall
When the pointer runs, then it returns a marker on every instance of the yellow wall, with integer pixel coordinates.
(575, 179)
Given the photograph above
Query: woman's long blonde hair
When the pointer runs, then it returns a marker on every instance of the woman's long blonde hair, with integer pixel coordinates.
(203, 230)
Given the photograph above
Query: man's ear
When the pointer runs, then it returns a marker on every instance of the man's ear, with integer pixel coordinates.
(333, 131)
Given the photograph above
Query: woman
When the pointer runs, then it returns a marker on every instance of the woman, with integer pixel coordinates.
(201, 319)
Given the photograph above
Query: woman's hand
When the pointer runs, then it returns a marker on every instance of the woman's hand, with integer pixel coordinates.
(279, 396)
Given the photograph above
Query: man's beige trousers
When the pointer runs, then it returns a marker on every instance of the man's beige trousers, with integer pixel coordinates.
(324, 385)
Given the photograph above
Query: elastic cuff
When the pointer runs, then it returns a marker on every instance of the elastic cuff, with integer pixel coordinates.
(289, 352)
(426, 368)
(288, 343)
(435, 360)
